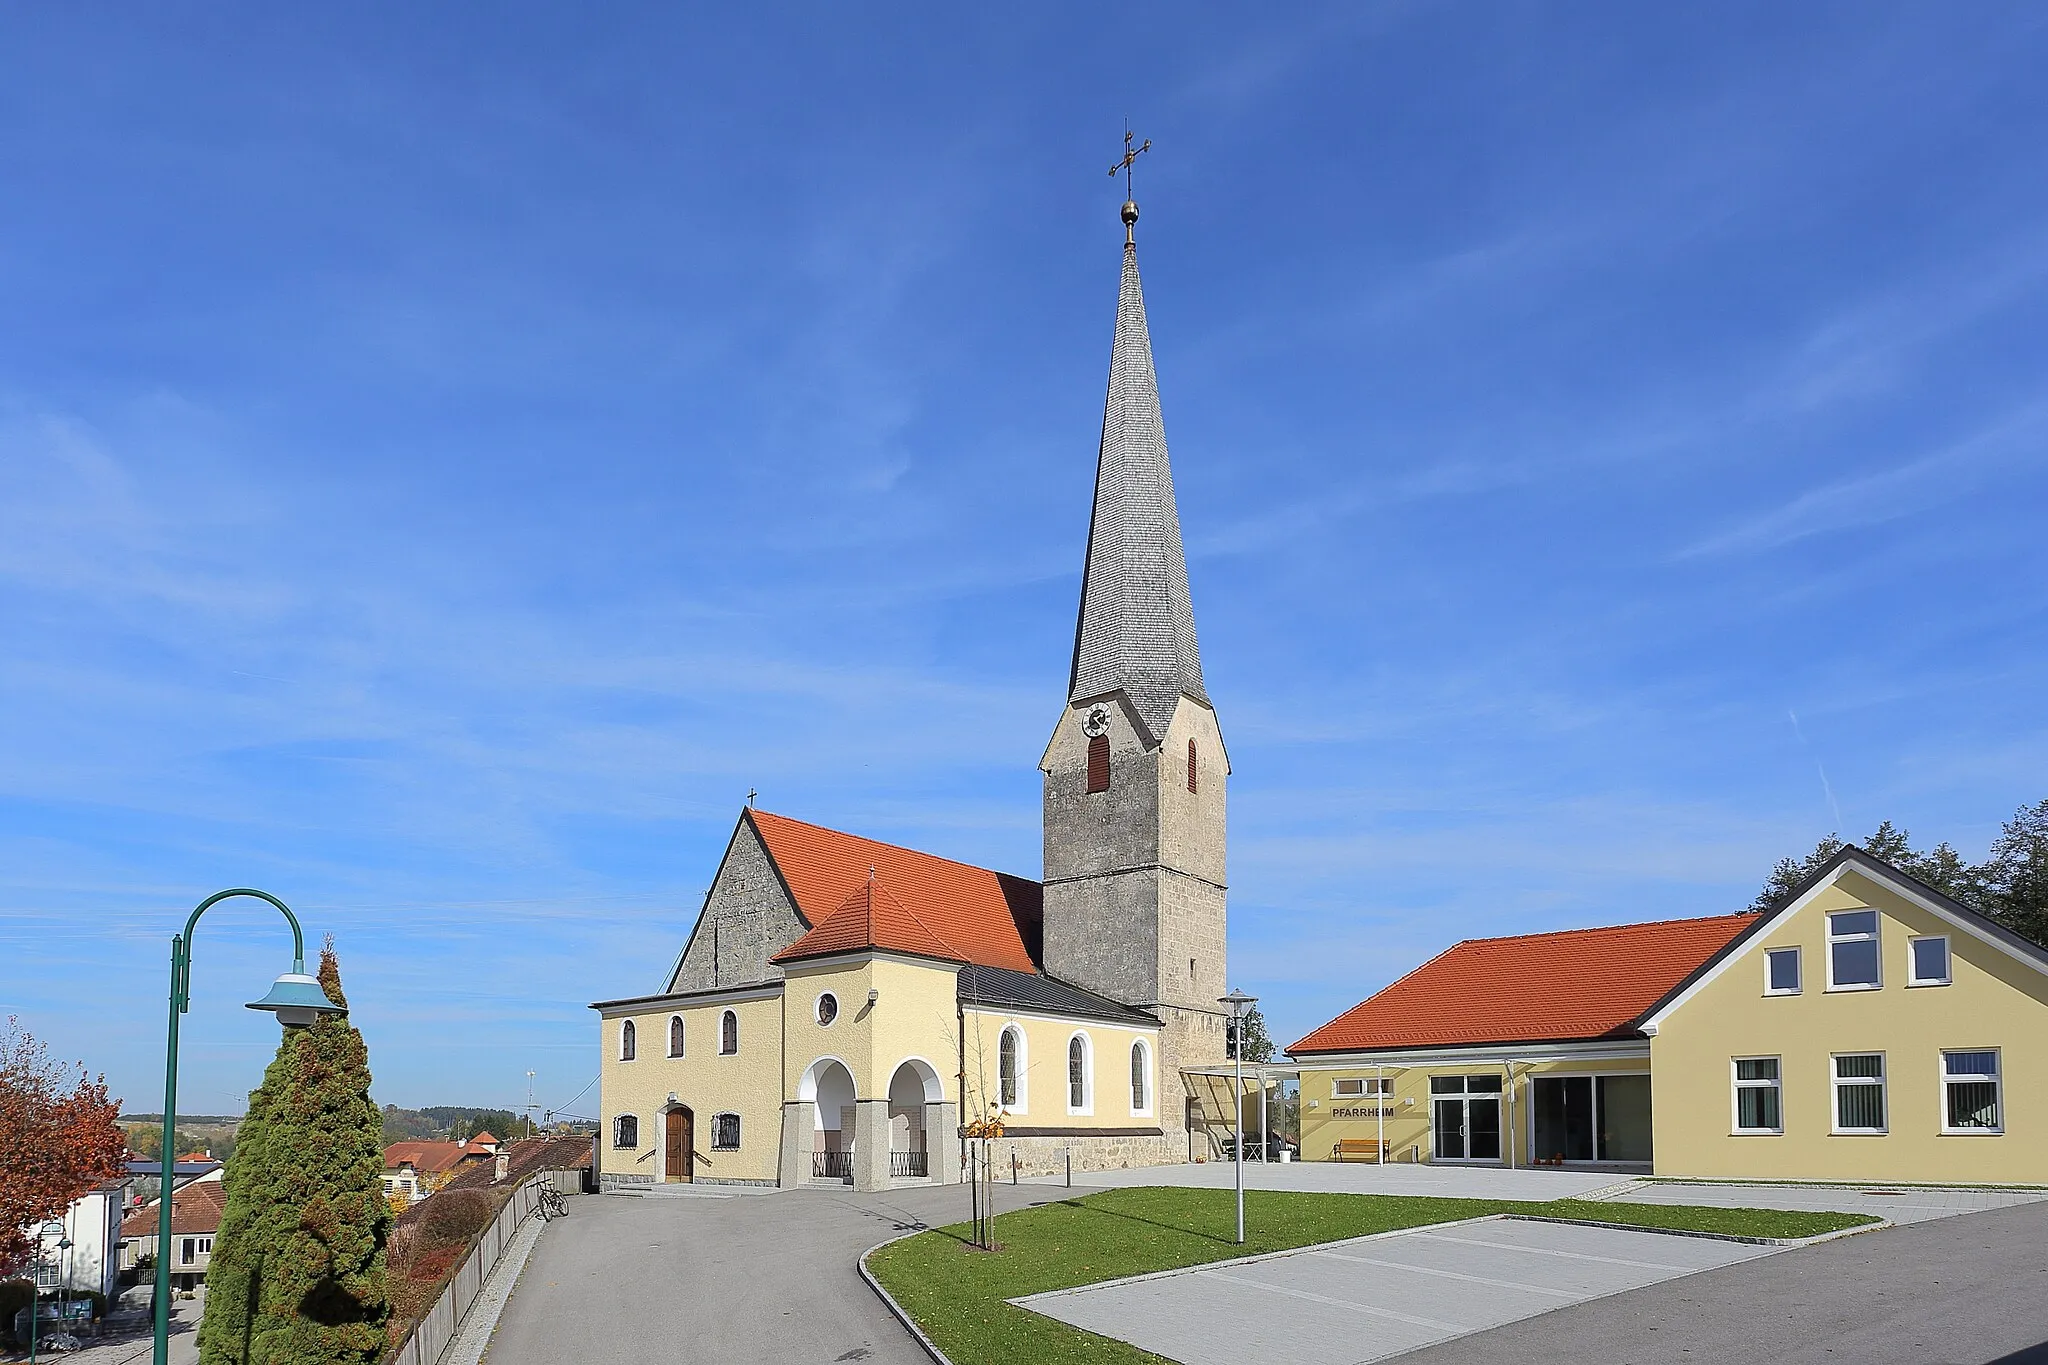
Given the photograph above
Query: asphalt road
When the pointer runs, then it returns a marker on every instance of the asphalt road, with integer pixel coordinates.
(768, 1278)
(1971, 1290)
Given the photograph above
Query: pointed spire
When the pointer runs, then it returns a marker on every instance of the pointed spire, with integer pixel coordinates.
(1136, 631)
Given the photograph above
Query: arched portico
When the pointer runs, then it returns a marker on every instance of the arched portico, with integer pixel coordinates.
(827, 1091)
(922, 1124)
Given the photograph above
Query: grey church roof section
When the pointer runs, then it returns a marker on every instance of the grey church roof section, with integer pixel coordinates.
(1136, 631)
(1001, 987)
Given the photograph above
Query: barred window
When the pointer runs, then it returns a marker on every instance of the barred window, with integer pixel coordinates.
(725, 1132)
(626, 1131)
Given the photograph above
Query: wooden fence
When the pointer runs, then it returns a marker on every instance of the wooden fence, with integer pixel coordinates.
(430, 1336)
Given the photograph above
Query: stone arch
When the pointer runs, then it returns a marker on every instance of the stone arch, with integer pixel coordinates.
(827, 1086)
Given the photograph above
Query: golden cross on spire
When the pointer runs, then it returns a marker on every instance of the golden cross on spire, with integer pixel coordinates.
(1130, 204)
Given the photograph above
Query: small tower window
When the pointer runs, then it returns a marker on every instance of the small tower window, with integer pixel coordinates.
(1098, 763)
(1194, 783)
(728, 1034)
(675, 1035)
(628, 1042)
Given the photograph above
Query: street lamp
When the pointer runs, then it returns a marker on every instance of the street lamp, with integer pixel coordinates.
(295, 998)
(1239, 1002)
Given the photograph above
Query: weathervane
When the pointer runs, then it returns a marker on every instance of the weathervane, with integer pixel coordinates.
(1130, 155)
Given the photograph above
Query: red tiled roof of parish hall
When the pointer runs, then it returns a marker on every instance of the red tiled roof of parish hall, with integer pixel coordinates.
(984, 917)
(1579, 983)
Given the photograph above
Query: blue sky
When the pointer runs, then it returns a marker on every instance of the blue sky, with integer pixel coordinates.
(447, 458)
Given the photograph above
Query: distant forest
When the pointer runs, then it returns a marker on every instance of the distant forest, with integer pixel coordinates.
(448, 1123)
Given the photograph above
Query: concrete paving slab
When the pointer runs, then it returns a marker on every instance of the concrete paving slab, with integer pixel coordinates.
(1899, 1203)
(1373, 1297)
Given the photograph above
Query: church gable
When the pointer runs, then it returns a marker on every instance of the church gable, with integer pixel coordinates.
(749, 916)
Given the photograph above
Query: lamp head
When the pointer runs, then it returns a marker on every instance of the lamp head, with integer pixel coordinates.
(873, 995)
(297, 1001)
(1239, 1002)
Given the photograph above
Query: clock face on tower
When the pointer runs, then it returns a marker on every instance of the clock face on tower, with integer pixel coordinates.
(1096, 722)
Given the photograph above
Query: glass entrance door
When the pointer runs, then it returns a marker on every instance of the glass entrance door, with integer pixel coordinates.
(1465, 1117)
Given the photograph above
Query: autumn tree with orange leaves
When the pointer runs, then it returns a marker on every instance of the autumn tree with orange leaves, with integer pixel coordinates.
(58, 1140)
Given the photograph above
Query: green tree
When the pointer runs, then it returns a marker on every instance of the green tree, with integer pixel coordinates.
(1257, 1046)
(297, 1276)
(2014, 878)
(1790, 872)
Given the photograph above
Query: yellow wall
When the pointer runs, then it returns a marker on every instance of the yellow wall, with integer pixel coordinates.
(1995, 1002)
(1043, 1094)
(745, 1083)
(1407, 1119)
(913, 1016)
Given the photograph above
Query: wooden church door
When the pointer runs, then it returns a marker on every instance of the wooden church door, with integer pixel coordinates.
(680, 1143)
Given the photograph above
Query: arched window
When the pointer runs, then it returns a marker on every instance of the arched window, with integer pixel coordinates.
(1079, 1081)
(1098, 763)
(629, 1042)
(725, 1132)
(728, 1034)
(1010, 1068)
(626, 1131)
(1141, 1096)
(1194, 784)
(675, 1035)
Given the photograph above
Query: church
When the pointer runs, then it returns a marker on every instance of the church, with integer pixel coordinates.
(844, 1006)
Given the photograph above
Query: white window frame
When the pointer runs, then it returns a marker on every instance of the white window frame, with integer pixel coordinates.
(1087, 1105)
(734, 1050)
(1948, 961)
(629, 1041)
(1737, 1085)
(1023, 1104)
(1141, 1047)
(1369, 1088)
(818, 1009)
(1876, 936)
(1997, 1080)
(675, 1024)
(737, 1128)
(1798, 970)
(1835, 1084)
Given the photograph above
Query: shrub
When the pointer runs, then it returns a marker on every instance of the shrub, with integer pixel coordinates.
(454, 1216)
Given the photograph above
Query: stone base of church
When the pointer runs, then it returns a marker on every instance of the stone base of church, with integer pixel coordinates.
(1050, 1155)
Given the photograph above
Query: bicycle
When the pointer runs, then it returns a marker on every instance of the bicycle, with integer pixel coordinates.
(552, 1205)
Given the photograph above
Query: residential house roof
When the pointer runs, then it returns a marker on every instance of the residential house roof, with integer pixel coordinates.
(1577, 985)
(981, 916)
(195, 1210)
(431, 1158)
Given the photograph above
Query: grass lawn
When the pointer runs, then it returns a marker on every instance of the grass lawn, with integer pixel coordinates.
(957, 1293)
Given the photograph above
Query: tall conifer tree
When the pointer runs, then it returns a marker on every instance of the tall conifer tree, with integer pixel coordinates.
(297, 1276)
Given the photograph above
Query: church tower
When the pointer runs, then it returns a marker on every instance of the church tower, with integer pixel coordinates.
(1135, 773)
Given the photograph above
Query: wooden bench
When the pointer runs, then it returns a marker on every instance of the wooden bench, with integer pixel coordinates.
(1359, 1149)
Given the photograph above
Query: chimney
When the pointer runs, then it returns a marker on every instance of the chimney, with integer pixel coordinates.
(504, 1160)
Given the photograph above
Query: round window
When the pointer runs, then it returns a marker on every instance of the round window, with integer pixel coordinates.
(828, 1009)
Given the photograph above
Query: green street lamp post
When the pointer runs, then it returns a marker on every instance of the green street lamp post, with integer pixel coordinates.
(1240, 1003)
(295, 998)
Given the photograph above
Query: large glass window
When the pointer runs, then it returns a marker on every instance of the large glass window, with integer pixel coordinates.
(1465, 1117)
(1852, 951)
(1781, 971)
(1758, 1096)
(1928, 958)
(1859, 1093)
(1969, 1092)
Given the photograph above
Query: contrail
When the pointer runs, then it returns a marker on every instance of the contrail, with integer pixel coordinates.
(1825, 785)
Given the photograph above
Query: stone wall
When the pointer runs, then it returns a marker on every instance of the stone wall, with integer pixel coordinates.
(747, 919)
(1048, 1155)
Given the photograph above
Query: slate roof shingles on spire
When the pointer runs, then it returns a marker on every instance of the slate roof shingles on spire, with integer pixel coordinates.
(1136, 630)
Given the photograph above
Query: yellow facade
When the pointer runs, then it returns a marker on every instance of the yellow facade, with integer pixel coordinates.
(745, 1082)
(912, 1022)
(1043, 1097)
(1328, 1117)
(1996, 1001)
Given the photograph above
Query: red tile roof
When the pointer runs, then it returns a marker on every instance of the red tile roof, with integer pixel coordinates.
(1574, 985)
(195, 1210)
(429, 1158)
(871, 918)
(988, 918)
